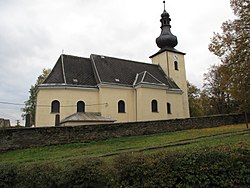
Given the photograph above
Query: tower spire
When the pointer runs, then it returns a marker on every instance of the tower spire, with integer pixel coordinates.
(166, 38)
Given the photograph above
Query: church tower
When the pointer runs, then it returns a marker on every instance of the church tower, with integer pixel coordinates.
(171, 60)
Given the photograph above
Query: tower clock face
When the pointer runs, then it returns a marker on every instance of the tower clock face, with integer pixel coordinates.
(175, 57)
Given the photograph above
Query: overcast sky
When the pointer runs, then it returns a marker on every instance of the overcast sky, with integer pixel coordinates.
(33, 34)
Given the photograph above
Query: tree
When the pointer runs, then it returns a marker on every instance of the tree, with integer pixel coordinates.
(30, 104)
(207, 108)
(195, 105)
(216, 93)
(232, 47)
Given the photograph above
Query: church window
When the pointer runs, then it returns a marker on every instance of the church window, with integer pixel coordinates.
(80, 106)
(154, 106)
(176, 65)
(55, 106)
(169, 108)
(121, 106)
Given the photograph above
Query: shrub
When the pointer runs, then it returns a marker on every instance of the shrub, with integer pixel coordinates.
(38, 175)
(131, 170)
(85, 173)
(211, 167)
(8, 174)
(151, 170)
(204, 168)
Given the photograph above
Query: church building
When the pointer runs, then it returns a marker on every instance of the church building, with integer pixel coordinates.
(102, 89)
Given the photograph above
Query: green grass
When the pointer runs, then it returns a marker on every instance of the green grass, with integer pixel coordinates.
(180, 141)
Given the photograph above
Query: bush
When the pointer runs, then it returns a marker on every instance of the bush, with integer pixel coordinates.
(85, 173)
(205, 168)
(209, 169)
(145, 170)
(38, 175)
(8, 174)
(216, 167)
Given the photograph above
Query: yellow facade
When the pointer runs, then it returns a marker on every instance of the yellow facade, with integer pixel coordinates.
(145, 97)
(168, 60)
(111, 96)
(105, 100)
(68, 98)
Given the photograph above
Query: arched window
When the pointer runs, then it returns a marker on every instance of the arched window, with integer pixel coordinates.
(154, 106)
(169, 108)
(80, 106)
(55, 106)
(121, 106)
(176, 65)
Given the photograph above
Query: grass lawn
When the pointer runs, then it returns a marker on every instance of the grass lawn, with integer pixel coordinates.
(180, 141)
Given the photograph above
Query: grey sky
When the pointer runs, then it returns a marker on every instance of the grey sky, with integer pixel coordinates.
(34, 32)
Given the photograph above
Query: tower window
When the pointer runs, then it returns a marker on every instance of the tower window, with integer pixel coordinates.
(55, 106)
(154, 106)
(176, 65)
(169, 108)
(121, 106)
(80, 106)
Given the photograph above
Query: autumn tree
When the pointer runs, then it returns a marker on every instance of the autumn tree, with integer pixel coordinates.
(216, 91)
(232, 46)
(30, 104)
(207, 108)
(195, 105)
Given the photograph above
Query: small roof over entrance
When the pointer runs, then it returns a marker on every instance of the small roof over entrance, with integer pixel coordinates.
(81, 118)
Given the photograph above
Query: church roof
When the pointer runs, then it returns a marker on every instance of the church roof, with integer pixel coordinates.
(103, 70)
(72, 70)
(147, 78)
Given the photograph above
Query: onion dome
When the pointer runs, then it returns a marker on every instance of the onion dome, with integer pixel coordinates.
(166, 38)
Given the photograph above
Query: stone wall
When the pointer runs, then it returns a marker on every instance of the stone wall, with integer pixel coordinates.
(4, 123)
(31, 137)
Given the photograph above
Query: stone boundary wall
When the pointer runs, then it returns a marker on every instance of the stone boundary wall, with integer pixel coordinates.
(18, 138)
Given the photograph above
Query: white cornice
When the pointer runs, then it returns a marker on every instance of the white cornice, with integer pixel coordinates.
(112, 85)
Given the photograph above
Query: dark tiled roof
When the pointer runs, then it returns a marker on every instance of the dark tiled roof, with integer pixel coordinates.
(147, 78)
(56, 75)
(84, 72)
(123, 72)
(139, 78)
(77, 71)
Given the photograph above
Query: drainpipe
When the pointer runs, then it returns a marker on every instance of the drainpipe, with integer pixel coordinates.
(136, 105)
